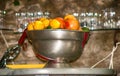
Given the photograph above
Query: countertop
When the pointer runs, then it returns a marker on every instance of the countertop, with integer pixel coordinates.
(76, 71)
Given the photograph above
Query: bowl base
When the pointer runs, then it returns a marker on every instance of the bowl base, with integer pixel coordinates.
(52, 64)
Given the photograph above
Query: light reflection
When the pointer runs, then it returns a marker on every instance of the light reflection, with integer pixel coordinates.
(58, 46)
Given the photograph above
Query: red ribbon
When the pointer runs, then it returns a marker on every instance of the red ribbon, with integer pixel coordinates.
(85, 39)
(23, 37)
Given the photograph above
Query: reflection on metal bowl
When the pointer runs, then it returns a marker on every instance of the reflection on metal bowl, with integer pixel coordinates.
(58, 45)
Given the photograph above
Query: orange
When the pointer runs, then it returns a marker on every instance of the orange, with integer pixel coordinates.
(62, 23)
(72, 24)
(80, 29)
(30, 26)
(38, 25)
(54, 23)
(70, 17)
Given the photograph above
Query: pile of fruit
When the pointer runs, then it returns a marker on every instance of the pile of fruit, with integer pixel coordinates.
(67, 22)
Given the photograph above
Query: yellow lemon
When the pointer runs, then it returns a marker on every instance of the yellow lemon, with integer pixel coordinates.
(42, 19)
(54, 24)
(30, 26)
(45, 21)
(38, 25)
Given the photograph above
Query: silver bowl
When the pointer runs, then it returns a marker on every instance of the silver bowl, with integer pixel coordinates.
(58, 45)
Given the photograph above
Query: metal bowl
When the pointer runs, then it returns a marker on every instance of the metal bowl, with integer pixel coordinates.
(59, 44)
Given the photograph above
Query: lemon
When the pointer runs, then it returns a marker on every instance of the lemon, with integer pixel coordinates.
(42, 19)
(45, 21)
(54, 24)
(38, 25)
(30, 26)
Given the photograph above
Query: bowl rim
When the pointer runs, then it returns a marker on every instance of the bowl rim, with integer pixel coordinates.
(58, 30)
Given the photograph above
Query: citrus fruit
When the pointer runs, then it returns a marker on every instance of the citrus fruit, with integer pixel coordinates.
(80, 29)
(45, 22)
(38, 25)
(43, 18)
(30, 26)
(62, 23)
(70, 17)
(72, 24)
(54, 23)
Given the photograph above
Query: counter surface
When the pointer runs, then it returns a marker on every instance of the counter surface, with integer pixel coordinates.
(85, 71)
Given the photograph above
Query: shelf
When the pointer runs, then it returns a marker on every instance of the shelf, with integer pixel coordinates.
(80, 71)
(11, 31)
(105, 29)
